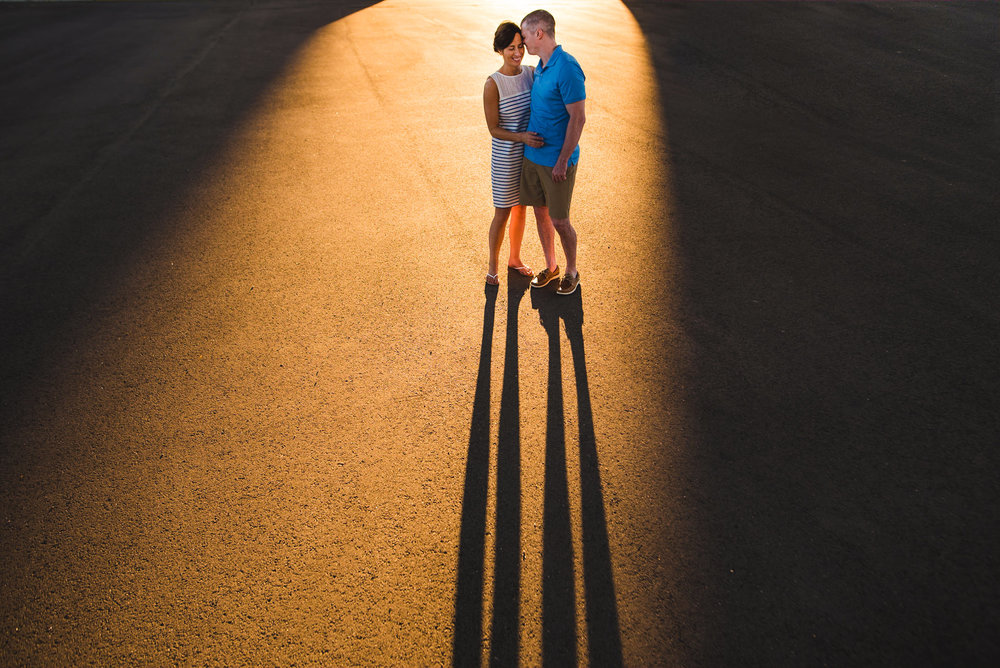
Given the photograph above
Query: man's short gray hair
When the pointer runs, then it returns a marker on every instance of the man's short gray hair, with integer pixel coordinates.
(540, 19)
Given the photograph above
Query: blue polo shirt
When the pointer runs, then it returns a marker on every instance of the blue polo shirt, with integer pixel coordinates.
(557, 83)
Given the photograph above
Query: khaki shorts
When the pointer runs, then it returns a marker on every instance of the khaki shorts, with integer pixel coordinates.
(538, 188)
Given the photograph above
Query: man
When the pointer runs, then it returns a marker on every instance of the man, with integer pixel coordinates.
(548, 173)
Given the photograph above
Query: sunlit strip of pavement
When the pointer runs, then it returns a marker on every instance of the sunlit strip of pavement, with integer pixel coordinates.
(255, 447)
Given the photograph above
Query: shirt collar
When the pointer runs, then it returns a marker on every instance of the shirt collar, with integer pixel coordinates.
(553, 58)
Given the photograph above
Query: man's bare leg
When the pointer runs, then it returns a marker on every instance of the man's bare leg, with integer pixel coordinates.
(547, 236)
(567, 235)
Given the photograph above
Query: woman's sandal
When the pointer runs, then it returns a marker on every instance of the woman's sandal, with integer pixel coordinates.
(495, 277)
(524, 270)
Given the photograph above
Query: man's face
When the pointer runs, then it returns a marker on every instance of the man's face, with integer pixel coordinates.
(530, 38)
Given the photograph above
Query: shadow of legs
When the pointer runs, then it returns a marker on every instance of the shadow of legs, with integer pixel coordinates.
(504, 635)
(559, 636)
(469, 587)
(558, 594)
(603, 634)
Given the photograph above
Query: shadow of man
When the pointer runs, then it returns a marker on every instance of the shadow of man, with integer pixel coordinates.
(558, 593)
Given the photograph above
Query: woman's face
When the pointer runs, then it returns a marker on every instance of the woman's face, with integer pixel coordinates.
(514, 52)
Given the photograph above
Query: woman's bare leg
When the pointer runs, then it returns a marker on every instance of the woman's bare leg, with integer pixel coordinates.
(516, 234)
(496, 239)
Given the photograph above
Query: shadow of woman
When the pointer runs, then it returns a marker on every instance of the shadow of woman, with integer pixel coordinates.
(558, 593)
(505, 628)
(471, 541)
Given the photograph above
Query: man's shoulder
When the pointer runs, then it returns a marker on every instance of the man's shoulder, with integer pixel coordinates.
(568, 62)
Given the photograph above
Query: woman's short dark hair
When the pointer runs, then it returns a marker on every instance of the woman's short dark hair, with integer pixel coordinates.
(505, 35)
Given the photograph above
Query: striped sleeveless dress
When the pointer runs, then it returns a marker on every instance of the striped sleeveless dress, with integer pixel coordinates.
(515, 107)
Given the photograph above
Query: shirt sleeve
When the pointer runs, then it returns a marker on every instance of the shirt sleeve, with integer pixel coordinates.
(570, 84)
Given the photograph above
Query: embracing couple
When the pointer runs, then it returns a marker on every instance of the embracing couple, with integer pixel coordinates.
(536, 116)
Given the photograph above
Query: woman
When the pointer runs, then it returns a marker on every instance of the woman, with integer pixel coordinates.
(507, 100)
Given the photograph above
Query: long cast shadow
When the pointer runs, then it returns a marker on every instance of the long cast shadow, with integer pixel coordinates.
(468, 622)
(603, 634)
(506, 621)
(559, 637)
(559, 634)
(558, 593)
(505, 630)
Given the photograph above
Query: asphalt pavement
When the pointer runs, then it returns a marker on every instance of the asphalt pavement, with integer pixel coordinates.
(258, 407)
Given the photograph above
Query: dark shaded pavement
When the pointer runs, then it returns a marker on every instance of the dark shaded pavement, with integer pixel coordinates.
(834, 171)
